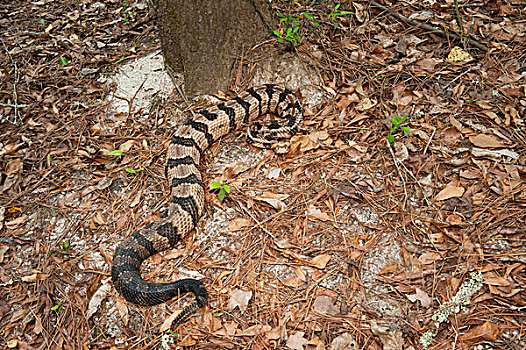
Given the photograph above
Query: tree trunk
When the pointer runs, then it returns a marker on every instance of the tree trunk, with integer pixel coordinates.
(204, 39)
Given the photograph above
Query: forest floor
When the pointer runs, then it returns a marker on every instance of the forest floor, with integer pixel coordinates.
(399, 215)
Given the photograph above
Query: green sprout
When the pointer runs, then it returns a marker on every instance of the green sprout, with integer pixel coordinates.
(224, 189)
(57, 307)
(63, 61)
(396, 122)
(133, 171)
(336, 12)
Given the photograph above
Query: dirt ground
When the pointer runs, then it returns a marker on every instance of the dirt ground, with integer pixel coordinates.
(397, 220)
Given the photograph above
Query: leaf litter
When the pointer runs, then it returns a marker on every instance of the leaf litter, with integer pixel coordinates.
(341, 244)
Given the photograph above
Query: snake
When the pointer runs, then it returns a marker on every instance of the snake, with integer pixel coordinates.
(187, 192)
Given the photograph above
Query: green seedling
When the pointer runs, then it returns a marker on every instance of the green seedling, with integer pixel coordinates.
(336, 12)
(224, 189)
(57, 307)
(63, 61)
(396, 123)
(133, 171)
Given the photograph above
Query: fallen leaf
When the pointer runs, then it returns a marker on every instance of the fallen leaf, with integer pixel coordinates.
(320, 261)
(167, 323)
(365, 104)
(457, 54)
(315, 213)
(390, 336)
(486, 141)
(487, 331)
(450, 191)
(98, 297)
(343, 342)
(296, 341)
(324, 305)
(34, 277)
(240, 298)
(274, 199)
(429, 258)
(253, 330)
(420, 296)
(238, 224)
(123, 312)
(13, 170)
(3, 250)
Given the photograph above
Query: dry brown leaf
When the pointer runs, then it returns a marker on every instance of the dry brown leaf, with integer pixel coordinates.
(253, 330)
(3, 250)
(13, 170)
(238, 224)
(97, 298)
(487, 331)
(366, 104)
(486, 141)
(274, 199)
(450, 191)
(296, 341)
(389, 268)
(344, 342)
(123, 312)
(320, 261)
(429, 258)
(420, 296)
(34, 277)
(317, 214)
(239, 298)
(324, 305)
(457, 54)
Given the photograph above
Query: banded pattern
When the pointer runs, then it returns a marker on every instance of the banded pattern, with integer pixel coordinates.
(187, 192)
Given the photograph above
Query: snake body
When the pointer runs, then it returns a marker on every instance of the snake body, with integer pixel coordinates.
(187, 192)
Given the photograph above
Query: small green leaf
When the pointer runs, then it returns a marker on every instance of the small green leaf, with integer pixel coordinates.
(390, 138)
(57, 306)
(215, 185)
(396, 121)
(406, 129)
(130, 170)
(115, 153)
(122, 59)
(226, 188)
(63, 61)
(41, 21)
(221, 195)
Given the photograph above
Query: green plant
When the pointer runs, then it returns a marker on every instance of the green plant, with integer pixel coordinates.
(116, 152)
(63, 61)
(127, 13)
(291, 23)
(63, 248)
(336, 12)
(396, 123)
(224, 189)
(57, 307)
(133, 171)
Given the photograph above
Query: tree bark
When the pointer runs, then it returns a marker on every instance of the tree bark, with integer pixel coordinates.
(203, 39)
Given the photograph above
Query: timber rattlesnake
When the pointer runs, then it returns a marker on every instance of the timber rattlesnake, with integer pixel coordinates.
(187, 192)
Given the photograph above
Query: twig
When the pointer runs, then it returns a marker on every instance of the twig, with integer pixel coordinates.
(17, 77)
(429, 141)
(395, 160)
(428, 27)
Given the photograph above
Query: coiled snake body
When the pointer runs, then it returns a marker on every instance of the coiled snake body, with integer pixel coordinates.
(187, 192)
